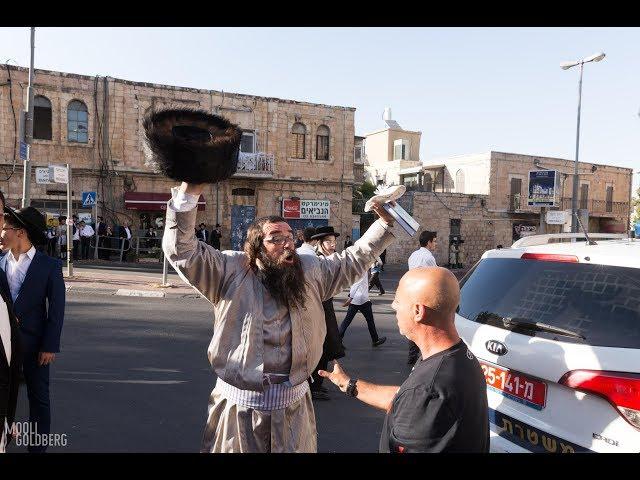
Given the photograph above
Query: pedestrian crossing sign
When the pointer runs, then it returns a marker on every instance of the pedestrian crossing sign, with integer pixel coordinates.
(89, 199)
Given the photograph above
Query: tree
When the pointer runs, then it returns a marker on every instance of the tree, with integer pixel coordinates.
(635, 206)
(365, 191)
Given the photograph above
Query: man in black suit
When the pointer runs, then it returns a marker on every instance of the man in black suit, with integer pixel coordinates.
(38, 294)
(10, 356)
(125, 234)
(101, 230)
(215, 237)
(202, 234)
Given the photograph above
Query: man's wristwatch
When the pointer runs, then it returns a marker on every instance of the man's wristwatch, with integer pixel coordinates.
(352, 390)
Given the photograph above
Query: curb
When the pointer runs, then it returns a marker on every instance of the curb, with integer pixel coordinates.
(123, 292)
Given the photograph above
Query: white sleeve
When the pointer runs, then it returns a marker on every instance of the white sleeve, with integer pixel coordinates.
(181, 201)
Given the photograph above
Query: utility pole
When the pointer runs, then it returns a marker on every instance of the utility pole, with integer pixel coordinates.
(28, 135)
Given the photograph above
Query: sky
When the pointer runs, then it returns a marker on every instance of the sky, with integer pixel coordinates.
(468, 90)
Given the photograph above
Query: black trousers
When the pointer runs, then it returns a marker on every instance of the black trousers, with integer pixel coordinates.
(85, 242)
(76, 249)
(375, 281)
(366, 310)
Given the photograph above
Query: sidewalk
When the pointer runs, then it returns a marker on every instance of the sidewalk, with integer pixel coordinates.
(88, 279)
(130, 284)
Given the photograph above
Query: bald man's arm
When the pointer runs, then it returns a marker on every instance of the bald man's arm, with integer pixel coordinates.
(378, 396)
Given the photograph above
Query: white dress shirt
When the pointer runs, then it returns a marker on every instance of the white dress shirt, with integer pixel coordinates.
(76, 236)
(359, 292)
(128, 232)
(17, 270)
(306, 249)
(87, 231)
(422, 258)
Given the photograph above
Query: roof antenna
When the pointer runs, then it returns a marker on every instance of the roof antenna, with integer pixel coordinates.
(591, 242)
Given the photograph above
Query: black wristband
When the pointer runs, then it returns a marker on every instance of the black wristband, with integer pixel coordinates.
(352, 390)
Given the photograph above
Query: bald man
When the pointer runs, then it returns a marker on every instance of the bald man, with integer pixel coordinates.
(442, 405)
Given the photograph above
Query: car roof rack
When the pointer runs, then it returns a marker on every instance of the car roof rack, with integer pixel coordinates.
(544, 239)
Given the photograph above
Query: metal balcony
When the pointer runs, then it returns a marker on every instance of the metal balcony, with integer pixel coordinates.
(260, 165)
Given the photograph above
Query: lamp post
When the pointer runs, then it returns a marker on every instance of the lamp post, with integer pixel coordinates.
(596, 57)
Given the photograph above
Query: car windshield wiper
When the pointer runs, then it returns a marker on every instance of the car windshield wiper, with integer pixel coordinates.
(539, 326)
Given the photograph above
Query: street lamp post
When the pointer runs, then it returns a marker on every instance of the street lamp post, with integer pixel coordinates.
(596, 57)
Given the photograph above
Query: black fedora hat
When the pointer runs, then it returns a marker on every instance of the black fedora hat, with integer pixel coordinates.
(322, 232)
(191, 145)
(31, 220)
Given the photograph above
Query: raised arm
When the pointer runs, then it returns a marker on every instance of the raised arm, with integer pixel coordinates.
(342, 269)
(198, 264)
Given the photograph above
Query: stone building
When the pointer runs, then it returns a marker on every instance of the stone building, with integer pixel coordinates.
(293, 153)
(482, 199)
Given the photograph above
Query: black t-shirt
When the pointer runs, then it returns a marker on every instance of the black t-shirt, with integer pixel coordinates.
(441, 407)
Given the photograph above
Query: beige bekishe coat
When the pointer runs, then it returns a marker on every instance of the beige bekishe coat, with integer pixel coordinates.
(236, 351)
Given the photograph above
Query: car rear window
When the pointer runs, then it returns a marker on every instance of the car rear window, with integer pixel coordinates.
(600, 302)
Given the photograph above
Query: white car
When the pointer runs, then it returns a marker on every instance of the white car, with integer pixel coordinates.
(555, 323)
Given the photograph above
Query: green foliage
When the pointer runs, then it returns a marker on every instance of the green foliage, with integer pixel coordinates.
(365, 191)
(635, 202)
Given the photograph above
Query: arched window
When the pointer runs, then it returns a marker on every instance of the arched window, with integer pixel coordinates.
(322, 143)
(77, 122)
(460, 181)
(41, 118)
(299, 133)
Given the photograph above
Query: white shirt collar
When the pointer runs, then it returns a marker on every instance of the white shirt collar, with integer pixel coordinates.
(30, 253)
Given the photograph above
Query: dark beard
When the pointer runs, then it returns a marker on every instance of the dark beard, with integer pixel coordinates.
(284, 282)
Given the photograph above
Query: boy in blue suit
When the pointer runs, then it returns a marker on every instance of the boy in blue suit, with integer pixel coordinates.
(37, 289)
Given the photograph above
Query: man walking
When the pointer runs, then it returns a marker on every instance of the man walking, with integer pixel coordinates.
(269, 323)
(423, 257)
(442, 405)
(38, 295)
(358, 301)
(202, 234)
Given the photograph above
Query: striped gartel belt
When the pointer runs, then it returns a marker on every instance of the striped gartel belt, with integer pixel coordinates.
(275, 396)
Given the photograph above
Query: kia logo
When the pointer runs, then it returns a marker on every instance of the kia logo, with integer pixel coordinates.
(496, 347)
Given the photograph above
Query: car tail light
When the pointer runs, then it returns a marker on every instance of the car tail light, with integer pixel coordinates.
(622, 390)
(550, 257)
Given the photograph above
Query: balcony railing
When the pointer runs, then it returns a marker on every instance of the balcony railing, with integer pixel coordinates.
(598, 206)
(518, 202)
(256, 164)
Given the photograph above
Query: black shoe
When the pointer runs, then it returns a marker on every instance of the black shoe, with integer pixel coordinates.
(380, 293)
(319, 395)
(379, 342)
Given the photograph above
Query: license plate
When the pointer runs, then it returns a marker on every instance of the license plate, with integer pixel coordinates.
(515, 385)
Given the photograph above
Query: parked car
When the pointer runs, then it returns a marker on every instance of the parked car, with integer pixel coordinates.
(555, 322)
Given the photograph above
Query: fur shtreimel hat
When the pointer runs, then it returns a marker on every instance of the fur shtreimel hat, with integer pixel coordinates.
(191, 145)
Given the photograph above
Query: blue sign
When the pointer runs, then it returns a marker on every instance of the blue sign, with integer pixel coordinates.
(637, 230)
(542, 188)
(89, 199)
(23, 150)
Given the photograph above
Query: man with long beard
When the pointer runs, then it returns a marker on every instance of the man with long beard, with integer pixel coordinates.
(269, 323)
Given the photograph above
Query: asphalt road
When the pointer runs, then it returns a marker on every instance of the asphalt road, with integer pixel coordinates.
(133, 376)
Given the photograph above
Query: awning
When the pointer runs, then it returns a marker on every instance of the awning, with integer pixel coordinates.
(151, 201)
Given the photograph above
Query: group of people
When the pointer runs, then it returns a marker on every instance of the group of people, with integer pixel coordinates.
(84, 236)
(32, 304)
(211, 237)
(275, 333)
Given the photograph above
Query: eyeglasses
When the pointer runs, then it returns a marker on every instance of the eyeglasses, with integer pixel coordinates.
(280, 240)
(329, 242)
(11, 228)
